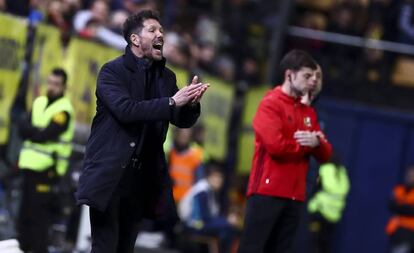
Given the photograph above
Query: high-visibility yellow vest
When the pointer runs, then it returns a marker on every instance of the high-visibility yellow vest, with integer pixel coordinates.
(41, 156)
(330, 201)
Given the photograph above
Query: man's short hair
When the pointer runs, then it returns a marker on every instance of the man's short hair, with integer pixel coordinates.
(135, 22)
(60, 72)
(297, 59)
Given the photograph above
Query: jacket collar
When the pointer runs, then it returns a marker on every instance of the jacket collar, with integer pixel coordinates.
(131, 63)
(285, 97)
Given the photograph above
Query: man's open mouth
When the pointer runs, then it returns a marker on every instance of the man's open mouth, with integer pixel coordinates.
(158, 45)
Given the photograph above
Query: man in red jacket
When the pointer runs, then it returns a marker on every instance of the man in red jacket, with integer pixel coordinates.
(287, 133)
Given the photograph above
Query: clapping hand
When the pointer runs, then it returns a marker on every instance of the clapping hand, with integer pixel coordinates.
(192, 93)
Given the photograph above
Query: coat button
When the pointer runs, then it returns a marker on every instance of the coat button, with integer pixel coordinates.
(132, 144)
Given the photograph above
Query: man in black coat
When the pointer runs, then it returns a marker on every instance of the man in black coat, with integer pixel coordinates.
(124, 177)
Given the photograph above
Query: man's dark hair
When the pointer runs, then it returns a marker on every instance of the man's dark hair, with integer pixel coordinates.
(297, 59)
(135, 22)
(62, 73)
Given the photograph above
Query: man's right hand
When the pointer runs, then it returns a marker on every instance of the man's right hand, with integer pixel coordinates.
(188, 93)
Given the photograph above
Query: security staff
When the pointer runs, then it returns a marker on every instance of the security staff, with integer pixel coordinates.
(43, 159)
(327, 204)
(400, 227)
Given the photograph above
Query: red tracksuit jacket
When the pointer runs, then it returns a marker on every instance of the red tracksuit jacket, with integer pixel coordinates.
(280, 164)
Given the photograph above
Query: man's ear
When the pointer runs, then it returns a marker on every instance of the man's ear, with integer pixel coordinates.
(134, 39)
(288, 74)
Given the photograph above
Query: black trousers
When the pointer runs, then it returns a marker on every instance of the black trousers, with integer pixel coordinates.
(321, 233)
(115, 230)
(36, 211)
(270, 225)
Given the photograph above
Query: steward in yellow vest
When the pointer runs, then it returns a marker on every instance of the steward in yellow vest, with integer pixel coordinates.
(43, 158)
(326, 206)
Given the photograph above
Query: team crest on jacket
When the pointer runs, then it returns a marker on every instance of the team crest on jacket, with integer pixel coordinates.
(307, 122)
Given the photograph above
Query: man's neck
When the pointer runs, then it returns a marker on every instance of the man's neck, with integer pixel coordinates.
(287, 89)
(136, 51)
(138, 54)
(51, 99)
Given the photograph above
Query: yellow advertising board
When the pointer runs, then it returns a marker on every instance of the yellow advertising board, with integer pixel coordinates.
(216, 109)
(246, 138)
(47, 54)
(84, 59)
(181, 74)
(13, 34)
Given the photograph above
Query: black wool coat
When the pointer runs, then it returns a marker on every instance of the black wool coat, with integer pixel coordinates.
(121, 121)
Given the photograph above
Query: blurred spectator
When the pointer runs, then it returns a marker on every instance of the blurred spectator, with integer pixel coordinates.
(340, 59)
(184, 161)
(310, 99)
(327, 204)
(56, 13)
(205, 56)
(200, 210)
(98, 12)
(343, 20)
(206, 31)
(250, 71)
(135, 6)
(37, 7)
(311, 20)
(225, 68)
(93, 24)
(175, 49)
(373, 67)
(117, 20)
(400, 227)
(405, 23)
(312, 95)
(2, 5)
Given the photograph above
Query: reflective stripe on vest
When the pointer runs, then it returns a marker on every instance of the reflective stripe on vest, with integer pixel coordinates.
(41, 156)
(330, 201)
(44, 152)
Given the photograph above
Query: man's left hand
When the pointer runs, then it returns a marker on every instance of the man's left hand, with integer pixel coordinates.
(200, 91)
(307, 138)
